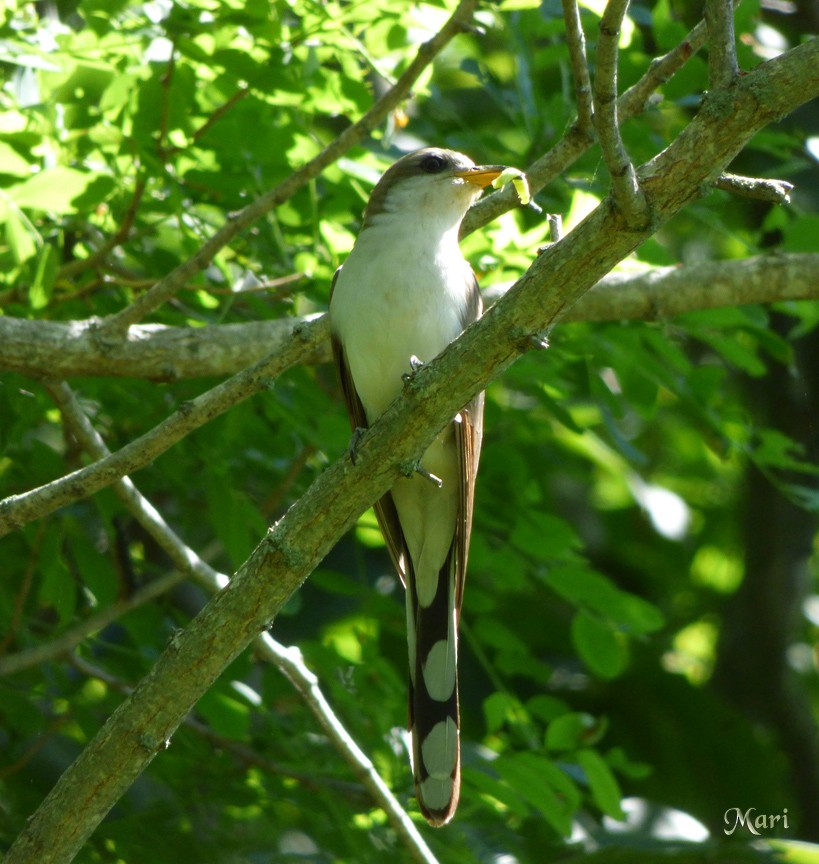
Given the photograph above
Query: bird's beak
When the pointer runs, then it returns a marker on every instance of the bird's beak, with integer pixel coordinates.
(481, 175)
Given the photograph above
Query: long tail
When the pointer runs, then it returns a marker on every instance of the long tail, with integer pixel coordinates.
(433, 710)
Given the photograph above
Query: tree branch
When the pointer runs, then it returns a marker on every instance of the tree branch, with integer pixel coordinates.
(244, 754)
(576, 43)
(625, 186)
(116, 325)
(154, 351)
(139, 729)
(776, 191)
(160, 353)
(722, 53)
(69, 270)
(12, 663)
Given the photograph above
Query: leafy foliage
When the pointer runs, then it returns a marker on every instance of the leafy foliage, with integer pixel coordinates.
(626, 470)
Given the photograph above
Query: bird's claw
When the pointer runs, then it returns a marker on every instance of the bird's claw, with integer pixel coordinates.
(415, 365)
(428, 475)
(352, 447)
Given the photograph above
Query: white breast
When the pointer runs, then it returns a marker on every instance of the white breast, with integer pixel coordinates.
(398, 294)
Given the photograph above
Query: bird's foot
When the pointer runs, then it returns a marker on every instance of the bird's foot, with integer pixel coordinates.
(539, 341)
(352, 447)
(415, 365)
(418, 468)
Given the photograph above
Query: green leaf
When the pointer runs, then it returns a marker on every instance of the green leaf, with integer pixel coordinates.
(226, 715)
(55, 190)
(58, 591)
(600, 647)
(497, 791)
(795, 851)
(497, 708)
(569, 731)
(548, 789)
(543, 535)
(801, 234)
(777, 450)
(11, 162)
(604, 787)
(44, 277)
(21, 236)
(586, 588)
(546, 708)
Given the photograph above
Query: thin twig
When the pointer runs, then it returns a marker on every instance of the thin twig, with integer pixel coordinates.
(115, 325)
(288, 660)
(214, 118)
(42, 739)
(576, 43)
(555, 227)
(722, 52)
(64, 643)
(625, 186)
(69, 270)
(22, 594)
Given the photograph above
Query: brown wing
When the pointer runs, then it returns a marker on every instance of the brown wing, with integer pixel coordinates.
(385, 511)
(468, 436)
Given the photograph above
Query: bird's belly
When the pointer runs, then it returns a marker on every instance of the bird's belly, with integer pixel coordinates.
(394, 328)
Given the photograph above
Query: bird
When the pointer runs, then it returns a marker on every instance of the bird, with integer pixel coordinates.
(403, 294)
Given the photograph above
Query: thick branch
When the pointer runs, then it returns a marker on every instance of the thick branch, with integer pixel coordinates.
(157, 352)
(141, 726)
(154, 351)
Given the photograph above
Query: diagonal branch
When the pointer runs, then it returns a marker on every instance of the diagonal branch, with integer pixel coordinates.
(288, 660)
(139, 728)
(114, 326)
(63, 644)
(69, 270)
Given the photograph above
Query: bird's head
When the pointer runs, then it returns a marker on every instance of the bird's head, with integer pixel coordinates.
(429, 185)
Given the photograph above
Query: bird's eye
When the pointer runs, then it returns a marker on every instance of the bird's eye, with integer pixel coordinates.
(433, 164)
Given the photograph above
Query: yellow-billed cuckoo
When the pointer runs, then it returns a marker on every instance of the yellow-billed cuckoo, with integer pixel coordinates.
(404, 293)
